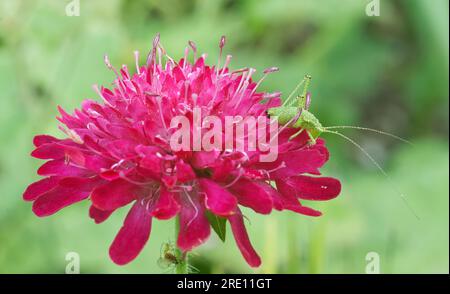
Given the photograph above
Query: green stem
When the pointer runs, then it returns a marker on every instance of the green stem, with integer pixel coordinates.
(182, 267)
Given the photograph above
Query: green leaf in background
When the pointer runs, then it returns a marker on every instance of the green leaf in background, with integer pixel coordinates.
(218, 224)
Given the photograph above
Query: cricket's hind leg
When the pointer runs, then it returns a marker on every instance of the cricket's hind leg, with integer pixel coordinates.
(294, 121)
(295, 134)
(312, 141)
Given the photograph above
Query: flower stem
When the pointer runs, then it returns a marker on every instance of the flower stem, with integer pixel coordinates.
(182, 266)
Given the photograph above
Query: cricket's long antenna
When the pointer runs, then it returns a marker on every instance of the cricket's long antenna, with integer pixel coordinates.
(377, 165)
(370, 130)
(293, 92)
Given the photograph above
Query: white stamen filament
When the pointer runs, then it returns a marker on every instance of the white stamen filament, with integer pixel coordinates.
(227, 62)
(97, 90)
(186, 53)
(241, 172)
(282, 165)
(194, 49)
(158, 101)
(108, 65)
(193, 205)
(136, 59)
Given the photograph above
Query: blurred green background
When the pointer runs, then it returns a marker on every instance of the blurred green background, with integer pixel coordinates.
(388, 72)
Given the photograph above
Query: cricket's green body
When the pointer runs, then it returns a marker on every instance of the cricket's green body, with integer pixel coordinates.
(306, 120)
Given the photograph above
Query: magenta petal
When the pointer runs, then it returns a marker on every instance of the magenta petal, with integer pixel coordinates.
(194, 226)
(252, 195)
(289, 200)
(98, 215)
(204, 159)
(296, 162)
(62, 196)
(315, 188)
(217, 199)
(113, 195)
(110, 175)
(132, 236)
(48, 151)
(167, 207)
(151, 162)
(300, 161)
(96, 163)
(59, 167)
(40, 187)
(184, 172)
(43, 139)
(274, 195)
(242, 240)
(304, 210)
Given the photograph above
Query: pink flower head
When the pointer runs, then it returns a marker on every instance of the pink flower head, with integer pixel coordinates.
(117, 152)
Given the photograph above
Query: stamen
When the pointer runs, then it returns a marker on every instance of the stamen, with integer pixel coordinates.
(227, 62)
(193, 205)
(245, 69)
(160, 139)
(186, 90)
(222, 42)
(73, 136)
(230, 153)
(152, 54)
(117, 164)
(97, 90)
(66, 159)
(164, 52)
(186, 53)
(136, 58)
(187, 187)
(244, 88)
(109, 66)
(271, 70)
(282, 165)
(159, 56)
(221, 45)
(266, 72)
(150, 201)
(271, 95)
(183, 108)
(158, 101)
(243, 76)
(194, 49)
(194, 97)
(241, 173)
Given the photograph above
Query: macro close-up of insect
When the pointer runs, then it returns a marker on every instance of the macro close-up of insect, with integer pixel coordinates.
(296, 115)
(173, 260)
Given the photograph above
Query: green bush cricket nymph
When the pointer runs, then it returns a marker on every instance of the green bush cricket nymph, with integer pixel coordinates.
(174, 259)
(299, 117)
